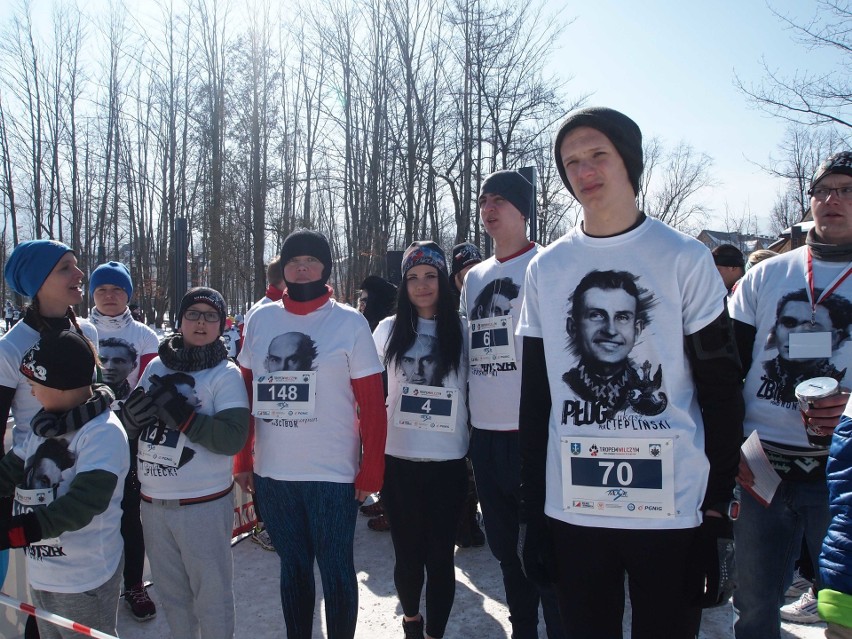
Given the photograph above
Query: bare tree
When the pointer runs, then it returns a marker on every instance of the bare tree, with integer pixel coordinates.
(671, 183)
(803, 96)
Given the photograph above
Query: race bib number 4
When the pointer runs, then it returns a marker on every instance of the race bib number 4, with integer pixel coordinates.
(492, 340)
(285, 395)
(27, 500)
(427, 408)
(618, 477)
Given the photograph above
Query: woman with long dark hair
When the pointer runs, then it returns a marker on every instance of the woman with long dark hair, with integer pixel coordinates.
(425, 473)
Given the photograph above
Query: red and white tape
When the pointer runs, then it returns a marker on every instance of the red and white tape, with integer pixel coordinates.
(6, 600)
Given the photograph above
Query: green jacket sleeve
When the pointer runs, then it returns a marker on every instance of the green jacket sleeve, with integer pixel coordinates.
(224, 433)
(88, 496)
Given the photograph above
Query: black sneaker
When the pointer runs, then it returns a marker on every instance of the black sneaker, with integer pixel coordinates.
(140, 604)
(413, 629)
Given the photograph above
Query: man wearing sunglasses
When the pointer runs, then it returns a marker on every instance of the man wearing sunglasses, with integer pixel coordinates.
(791, 318)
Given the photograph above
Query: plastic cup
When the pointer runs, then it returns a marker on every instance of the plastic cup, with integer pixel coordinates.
(807, 393)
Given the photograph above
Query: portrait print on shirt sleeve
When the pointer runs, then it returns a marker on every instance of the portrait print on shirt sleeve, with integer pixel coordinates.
(608, 313)
(794, 315)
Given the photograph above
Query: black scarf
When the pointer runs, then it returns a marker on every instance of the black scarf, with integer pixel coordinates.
(195, 358)
(828, 252)
(46, 424)
(40, 323)
(306, 292)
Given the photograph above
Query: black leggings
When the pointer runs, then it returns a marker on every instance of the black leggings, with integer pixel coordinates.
(662, 576)
(423, 501)
(131, 524)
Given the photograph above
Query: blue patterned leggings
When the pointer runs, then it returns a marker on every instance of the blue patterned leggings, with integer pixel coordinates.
(310, 520)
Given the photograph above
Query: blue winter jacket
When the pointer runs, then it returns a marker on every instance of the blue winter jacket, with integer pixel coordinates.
(835, 561)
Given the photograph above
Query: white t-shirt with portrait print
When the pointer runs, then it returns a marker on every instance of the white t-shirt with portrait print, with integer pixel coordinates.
(201, 472)
(88, 557)
(653, 398)
(424, 443)
(495, 388)
(771, 407)
(327, 445)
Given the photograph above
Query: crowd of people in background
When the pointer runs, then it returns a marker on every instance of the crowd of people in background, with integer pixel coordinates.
(591, 397)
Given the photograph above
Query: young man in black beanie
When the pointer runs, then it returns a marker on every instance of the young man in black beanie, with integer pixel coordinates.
(491, 299)
(640, 485)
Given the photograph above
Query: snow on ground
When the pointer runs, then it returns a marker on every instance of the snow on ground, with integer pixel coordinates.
(479, 612)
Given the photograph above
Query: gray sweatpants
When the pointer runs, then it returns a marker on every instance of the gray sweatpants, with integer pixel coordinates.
(189, 549)
(95, 608)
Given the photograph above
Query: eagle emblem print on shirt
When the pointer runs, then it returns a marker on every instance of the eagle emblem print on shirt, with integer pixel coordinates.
(607, 315)
(496, 299)
(781, 374)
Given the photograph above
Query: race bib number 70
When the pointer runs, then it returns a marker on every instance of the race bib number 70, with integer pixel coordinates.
(618, 477)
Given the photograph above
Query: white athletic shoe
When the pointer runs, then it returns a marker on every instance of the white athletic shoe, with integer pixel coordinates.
(803, 610)
(799, 586)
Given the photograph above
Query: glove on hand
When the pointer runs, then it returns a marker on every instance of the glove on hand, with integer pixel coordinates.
(137, 413)
(172, 407)
(536, 552)
(20, 531)
(716, 561)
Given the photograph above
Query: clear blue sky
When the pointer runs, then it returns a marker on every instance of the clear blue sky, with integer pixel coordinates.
(670, 66)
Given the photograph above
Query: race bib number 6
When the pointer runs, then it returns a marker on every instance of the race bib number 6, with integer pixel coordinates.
(492, 340)
(618, 477)
(289, 395)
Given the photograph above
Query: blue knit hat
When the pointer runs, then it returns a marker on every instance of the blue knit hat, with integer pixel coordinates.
(30, 264)
(114, 273)
(424, 252)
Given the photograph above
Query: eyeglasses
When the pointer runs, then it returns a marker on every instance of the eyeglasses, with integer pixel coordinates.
(821, 193)
(209, 316)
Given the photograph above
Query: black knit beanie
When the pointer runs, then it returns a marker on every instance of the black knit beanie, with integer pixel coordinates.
(623, 132)
(63, 360)
(511, 185)
(315, 244)
(203, 295)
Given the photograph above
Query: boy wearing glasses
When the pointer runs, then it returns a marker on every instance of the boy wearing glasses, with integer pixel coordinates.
(791, 318)
(190, 412)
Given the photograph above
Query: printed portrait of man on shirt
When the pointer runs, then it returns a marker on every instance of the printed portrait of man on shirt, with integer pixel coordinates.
(608, 313)
(783, 373)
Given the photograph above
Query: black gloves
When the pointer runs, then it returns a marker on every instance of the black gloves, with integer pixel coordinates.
(138, 412)
(20, 531)
(172, 407)
(535, 550)
(715, 560)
